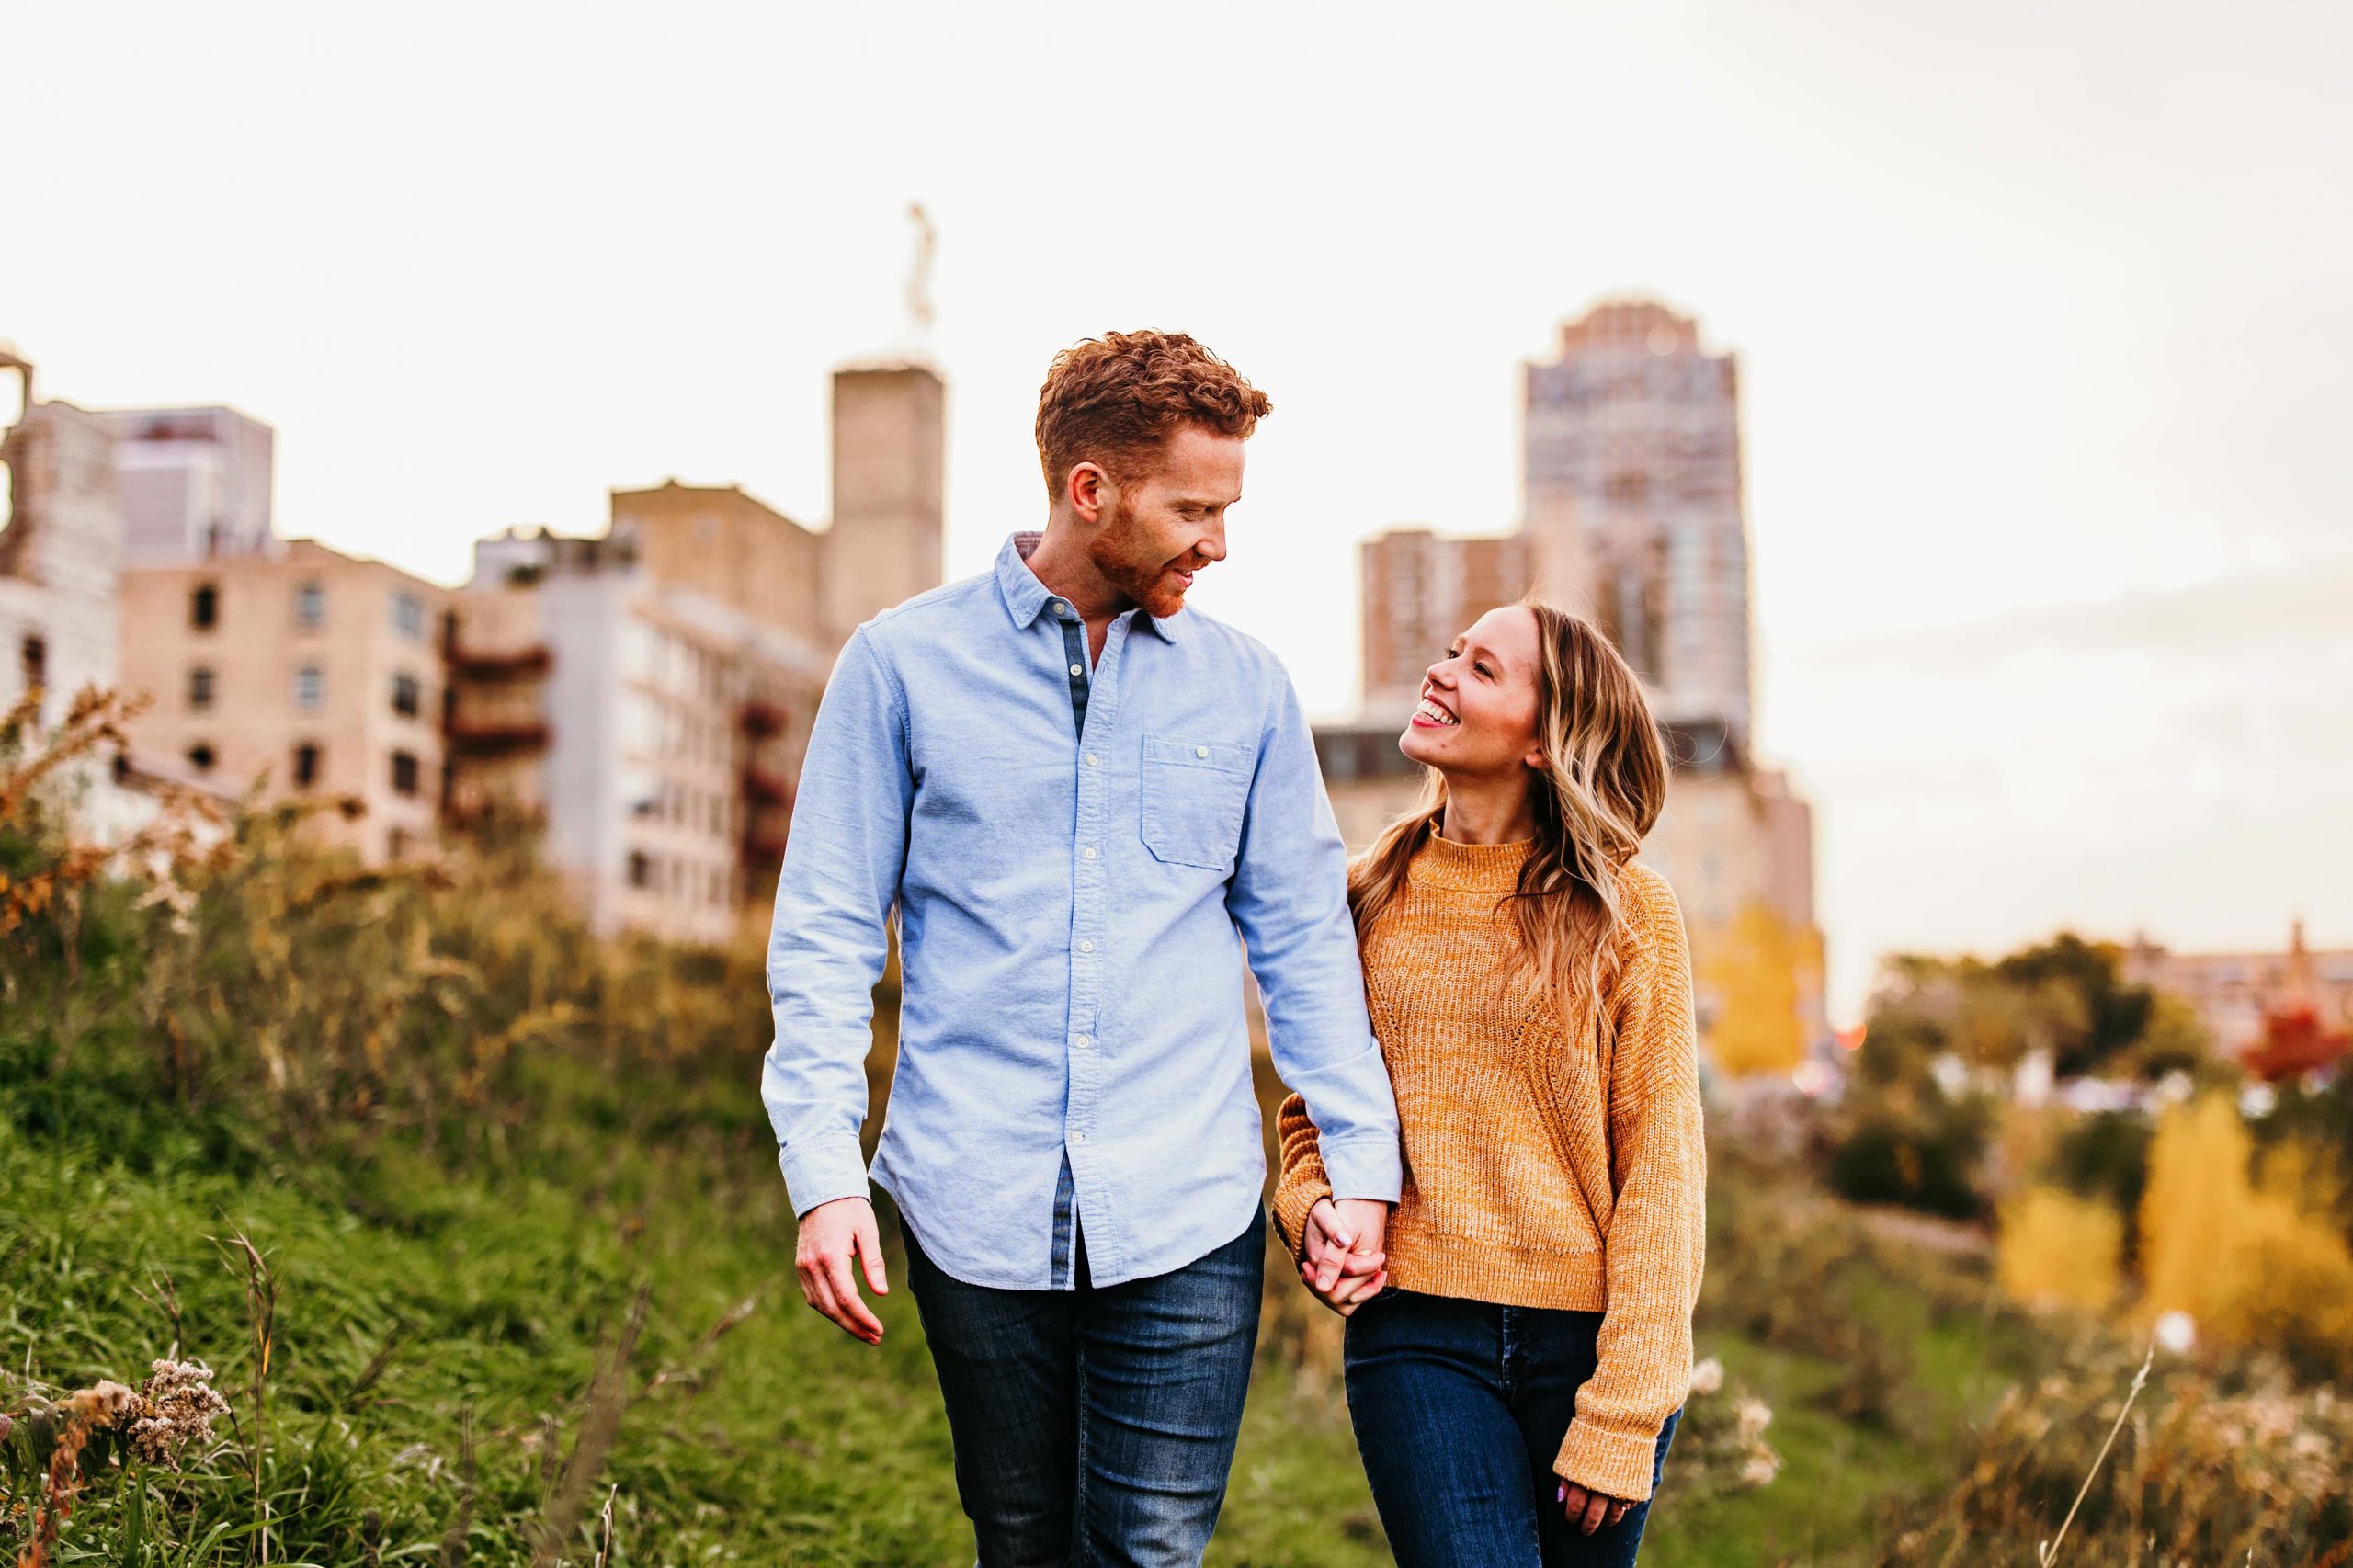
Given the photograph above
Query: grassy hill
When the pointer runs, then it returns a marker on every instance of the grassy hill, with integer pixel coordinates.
(475, 1221)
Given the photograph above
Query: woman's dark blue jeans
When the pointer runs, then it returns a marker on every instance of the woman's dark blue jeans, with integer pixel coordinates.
(1460, 1408)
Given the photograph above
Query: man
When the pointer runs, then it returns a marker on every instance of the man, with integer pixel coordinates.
(1082, 802)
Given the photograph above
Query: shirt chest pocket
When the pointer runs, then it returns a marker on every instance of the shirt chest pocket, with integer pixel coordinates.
(1194, 792)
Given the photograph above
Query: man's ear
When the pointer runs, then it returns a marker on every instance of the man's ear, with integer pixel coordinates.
(1088, 489)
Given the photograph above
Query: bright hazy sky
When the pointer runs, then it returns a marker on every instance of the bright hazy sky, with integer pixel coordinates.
(2041, 306)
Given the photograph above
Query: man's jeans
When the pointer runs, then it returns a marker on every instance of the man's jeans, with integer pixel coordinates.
(1460, 1408)
(1096, 1426)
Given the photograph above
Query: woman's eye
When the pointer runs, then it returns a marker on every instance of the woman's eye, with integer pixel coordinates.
(1483, 670)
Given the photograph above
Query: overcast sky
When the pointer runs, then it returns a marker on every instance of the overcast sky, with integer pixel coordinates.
(2042, 308)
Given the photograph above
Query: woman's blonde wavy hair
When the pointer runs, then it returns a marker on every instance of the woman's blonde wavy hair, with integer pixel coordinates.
(1601, 787)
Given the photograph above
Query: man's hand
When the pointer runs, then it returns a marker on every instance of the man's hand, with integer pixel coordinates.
(1590, 1511)
(1344, 1264)
(830, 1233)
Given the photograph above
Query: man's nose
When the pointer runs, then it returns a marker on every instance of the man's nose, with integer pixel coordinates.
(1211, 546)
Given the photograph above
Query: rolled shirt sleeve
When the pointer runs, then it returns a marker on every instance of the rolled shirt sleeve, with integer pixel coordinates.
(829, 939)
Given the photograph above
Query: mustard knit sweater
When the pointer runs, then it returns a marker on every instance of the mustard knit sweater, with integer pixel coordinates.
(1541, 1171)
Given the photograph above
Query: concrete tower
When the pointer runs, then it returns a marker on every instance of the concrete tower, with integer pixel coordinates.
(890, 491)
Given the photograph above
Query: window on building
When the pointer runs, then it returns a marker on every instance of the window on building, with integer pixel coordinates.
(204, 606)
(311, 605)
(640, 869)
(306, 765)
(404, 773)
(200, 686)
(408, 695)
(310, 689)
(408, 615)
(200, 756)
(34, 654)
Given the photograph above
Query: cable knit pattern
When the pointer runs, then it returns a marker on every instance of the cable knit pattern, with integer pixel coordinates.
(1539, 1173)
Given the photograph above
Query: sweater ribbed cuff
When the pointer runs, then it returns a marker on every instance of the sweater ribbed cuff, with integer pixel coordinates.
(1294, 1200)
(1616, 1464)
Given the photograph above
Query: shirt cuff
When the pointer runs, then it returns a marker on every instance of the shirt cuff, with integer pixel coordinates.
(821, 1171)
(1372, 1166)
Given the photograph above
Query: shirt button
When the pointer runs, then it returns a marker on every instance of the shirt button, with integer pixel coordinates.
(1200, 751)
(1093, 760)
(1060, 607)
(1076, 671)
(1078, 1137)
(1088, 852)
(1082, 1042)
(1085, 947)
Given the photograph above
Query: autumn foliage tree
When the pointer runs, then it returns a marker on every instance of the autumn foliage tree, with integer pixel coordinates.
(2293, 1043)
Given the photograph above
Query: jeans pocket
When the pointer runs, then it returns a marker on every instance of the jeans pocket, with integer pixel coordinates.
(1193, 796)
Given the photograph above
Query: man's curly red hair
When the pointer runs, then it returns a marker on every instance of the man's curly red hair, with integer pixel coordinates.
(1112, 400)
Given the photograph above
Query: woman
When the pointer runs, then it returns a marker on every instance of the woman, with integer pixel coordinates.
(1516, 1356)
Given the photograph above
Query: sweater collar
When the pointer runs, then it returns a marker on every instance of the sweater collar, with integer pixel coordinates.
(1470, 868)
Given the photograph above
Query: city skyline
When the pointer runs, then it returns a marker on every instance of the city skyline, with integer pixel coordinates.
(2037, 361)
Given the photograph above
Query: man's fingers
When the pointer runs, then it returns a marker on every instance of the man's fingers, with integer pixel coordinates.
(870, 1251)
(1352, 1285)
(1323, 1217)
(820, 1299)
(1354, 1293)
(1595, 1507)
(852, 1313)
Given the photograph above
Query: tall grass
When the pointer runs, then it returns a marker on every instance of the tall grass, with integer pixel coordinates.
(472, 1220)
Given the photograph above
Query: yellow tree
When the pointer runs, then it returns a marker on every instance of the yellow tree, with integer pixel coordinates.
(2194, 1208)
(1760, 971)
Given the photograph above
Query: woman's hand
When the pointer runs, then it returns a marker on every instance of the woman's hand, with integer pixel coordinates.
(1344, 1264)
(1590, 1511)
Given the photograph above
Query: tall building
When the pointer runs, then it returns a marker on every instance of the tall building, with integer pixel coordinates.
(195, 482)
(644, 698)
(61, 551)
(884, 545)
(646, 695)
(1631, 475)
(310, 670)
(1420, 591)
(1633, 514)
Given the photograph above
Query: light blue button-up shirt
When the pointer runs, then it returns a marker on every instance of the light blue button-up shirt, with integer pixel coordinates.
(1072, 909)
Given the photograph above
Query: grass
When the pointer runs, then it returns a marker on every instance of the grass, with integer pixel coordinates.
(516, 1215)
(413, 1305)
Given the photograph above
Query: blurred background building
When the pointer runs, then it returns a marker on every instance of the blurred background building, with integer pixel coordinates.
(194, 483)
(2235, 993)
(644, 697)
(1633, 514)
(639, 700)
(299, 670)
(60, 586)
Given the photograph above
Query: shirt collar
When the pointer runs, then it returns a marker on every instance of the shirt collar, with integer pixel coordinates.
(1027, 597)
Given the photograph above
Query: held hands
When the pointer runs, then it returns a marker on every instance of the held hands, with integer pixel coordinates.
(1590, 1511)
(830, 1235)
(1343, 1261)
